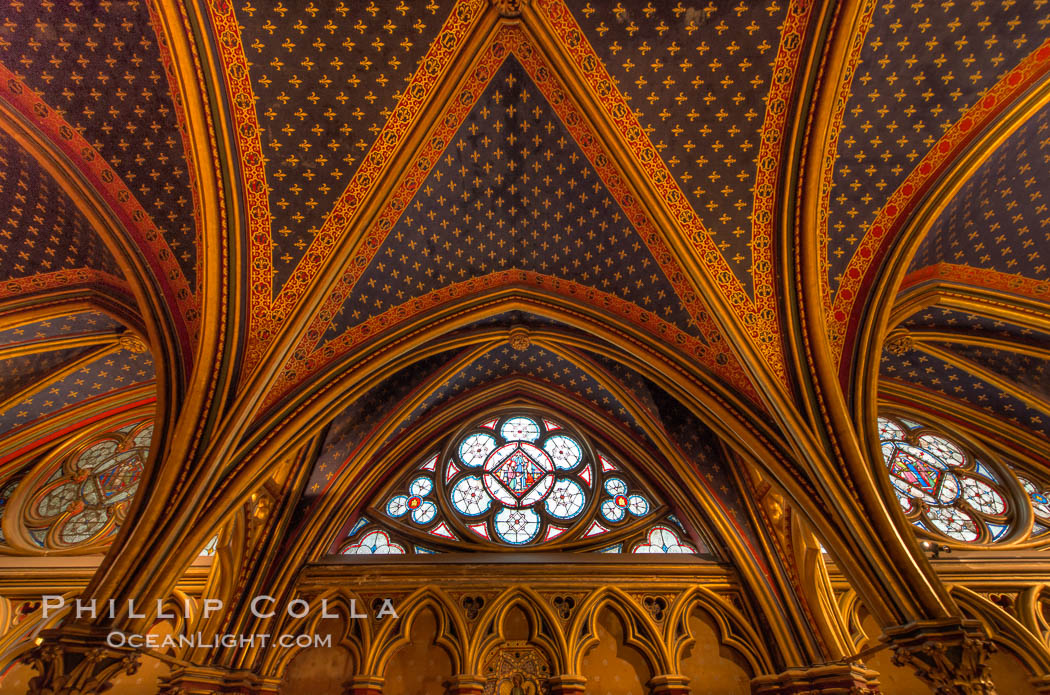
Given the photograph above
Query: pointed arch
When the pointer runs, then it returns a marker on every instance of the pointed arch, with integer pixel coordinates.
(544, 628)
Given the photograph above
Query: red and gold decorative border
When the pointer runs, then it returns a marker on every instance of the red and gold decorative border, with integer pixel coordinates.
(759, 317)
(838, 114)
(121, 200)
(985, 278)
(859, 274)
(302, 364)
(76, 277)
(510, 40)
(267, 312)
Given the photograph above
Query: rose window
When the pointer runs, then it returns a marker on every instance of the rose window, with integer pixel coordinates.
(78, 498)
(943, 487)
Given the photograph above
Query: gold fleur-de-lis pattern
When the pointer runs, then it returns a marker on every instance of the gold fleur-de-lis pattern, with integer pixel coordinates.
(326, 77)
(512, 190)
(82, 323)
(923, 64)
(918, 369)
(1000, 220)
(696, 77)
(41, 229)
(17, 373)
(99, 65)
(943, 318)
(533, 363)
(117, 370)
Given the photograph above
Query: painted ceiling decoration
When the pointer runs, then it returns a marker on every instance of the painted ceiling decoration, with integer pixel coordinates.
(77, 400)
(266, 259)
(56, 67)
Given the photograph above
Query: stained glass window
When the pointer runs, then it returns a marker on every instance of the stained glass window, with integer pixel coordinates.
(944, 488)
(78, 497)
(518, 480)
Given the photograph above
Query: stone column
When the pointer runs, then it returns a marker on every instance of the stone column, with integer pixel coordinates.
(833, 679)
(669, 685)
(464, 684)
(567, 685)
(364, 685)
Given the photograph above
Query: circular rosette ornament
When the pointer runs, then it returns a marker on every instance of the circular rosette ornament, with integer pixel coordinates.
(943, 488)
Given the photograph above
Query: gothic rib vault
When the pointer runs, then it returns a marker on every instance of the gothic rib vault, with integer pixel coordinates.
(261, 259)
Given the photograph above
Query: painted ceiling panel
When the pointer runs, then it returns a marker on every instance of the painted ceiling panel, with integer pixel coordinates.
(512, 190)
(83, 323)
(120, 369)
(999, 220)
(697, 77)
(915, 368)
(326, 77)
(18, 373)
(100, 66)
(1024, 370)
(923, 64)
(942, 318)
(41, 230)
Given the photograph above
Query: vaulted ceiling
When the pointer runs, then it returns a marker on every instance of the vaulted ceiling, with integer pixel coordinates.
(722, 217)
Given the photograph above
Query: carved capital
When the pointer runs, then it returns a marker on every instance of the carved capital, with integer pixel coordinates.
(76, 662)
(465, 684)
(669, 685)
(950, 655)
(567, 685)
(837, 679)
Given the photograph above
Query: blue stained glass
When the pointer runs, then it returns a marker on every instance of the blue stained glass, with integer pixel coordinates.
(663, 539)
(997, 530)
(637, 505)
(615, 486)
(520, 429)
(421, 487)
(566, 499)
(424, 513)
(475, 448)
(361, 523)
(517, 526)
(564, 451)
(397, 506)
(469, 496)
(612, 511)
